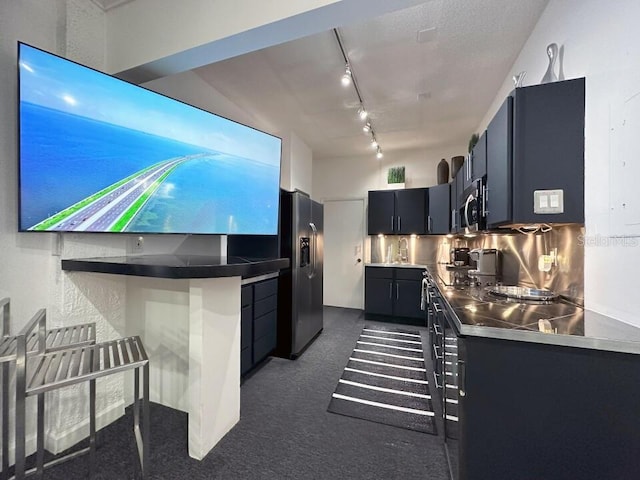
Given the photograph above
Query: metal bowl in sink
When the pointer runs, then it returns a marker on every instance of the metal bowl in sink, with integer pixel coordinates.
(522, 293)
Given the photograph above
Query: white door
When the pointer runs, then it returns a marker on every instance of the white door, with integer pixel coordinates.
(343, 253)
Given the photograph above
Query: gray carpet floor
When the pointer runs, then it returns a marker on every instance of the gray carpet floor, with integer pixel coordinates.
(285, 431)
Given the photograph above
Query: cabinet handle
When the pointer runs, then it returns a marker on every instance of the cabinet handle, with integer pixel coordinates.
(485, 198)
(435, 380)
(436, 355)
(436, 329)
(390, 290)
(461, 378)
(429, 223)
(399, 227)
(392, 229)
(397, 292)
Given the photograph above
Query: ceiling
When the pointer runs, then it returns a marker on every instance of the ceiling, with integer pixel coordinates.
(427, 76)
(420, 94)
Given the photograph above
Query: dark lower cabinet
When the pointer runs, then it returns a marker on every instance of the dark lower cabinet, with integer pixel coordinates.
(393, 295)
(258, 322)
(531, 411)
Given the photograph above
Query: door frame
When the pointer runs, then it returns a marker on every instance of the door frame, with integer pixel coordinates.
(366, 245)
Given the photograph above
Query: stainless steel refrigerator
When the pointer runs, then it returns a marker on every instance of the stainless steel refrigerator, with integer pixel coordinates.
(300, 288)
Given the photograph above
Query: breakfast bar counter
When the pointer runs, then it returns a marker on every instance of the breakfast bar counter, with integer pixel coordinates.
(186, 309)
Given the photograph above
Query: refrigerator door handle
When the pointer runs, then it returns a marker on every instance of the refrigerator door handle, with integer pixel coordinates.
(314, 250)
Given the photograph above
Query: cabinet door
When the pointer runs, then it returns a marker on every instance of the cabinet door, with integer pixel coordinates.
(438, 220)
(410, 211)
(406, 295)
(499, 166)
(479, 160)
(475, 166)
(458, 198)
(378, 299)
(381, 212)
(548, 149)
(453, 204)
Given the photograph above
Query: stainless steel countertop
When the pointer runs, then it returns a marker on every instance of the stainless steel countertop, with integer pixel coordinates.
(480, 314)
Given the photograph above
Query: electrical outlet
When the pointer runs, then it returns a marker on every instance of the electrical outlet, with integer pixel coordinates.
(548, 201)
(136, 244)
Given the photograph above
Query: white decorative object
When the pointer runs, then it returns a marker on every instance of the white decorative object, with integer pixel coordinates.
(550, 75)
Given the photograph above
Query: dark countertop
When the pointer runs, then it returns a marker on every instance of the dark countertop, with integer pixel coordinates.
(177, 266)
(481, 314)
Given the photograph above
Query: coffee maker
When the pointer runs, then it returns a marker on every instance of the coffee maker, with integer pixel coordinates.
(459, 256)
(487, 271)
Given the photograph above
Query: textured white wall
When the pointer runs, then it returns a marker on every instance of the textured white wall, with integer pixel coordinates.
(600, 42)
(31, 274)
(353, 177)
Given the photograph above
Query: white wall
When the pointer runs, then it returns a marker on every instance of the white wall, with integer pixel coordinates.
(353, 177)
(600, 41)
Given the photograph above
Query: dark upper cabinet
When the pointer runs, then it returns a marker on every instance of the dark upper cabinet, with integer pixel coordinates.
(438, 206)
(381, 214)
(453, 202)
(536, 144)
(457, 188)
(410, 211)
(499, 168)
(397, 211)
(475, 165)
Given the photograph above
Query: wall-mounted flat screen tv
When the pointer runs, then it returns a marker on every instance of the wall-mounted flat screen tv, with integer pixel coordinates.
(98, 154)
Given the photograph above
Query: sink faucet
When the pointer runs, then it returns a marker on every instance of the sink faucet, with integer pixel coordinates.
(403, 253)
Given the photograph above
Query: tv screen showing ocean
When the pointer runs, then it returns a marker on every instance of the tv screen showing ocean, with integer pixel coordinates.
(87, 165)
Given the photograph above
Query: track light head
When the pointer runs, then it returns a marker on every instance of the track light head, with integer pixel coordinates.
(363, 114)
(374, 143)
(379, 154)
(346, 78)
(366, 128)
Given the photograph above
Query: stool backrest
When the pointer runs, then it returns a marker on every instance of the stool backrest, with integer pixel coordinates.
(37, 324)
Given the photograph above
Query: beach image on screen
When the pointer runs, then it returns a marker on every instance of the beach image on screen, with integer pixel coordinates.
(101, 155)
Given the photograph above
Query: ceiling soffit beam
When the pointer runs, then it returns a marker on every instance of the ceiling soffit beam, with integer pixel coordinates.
(318, 20)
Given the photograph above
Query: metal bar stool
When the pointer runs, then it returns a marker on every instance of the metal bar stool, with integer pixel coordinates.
(55, 339)
(47, 371)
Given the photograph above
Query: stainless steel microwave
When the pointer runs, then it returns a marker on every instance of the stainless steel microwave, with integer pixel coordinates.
(472, 207)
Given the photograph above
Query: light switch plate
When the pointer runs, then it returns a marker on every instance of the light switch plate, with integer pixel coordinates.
(548, 201)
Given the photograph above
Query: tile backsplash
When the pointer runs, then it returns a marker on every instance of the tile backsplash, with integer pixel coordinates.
(519, 255)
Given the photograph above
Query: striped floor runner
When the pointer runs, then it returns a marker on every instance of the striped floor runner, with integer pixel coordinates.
(385, 381)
